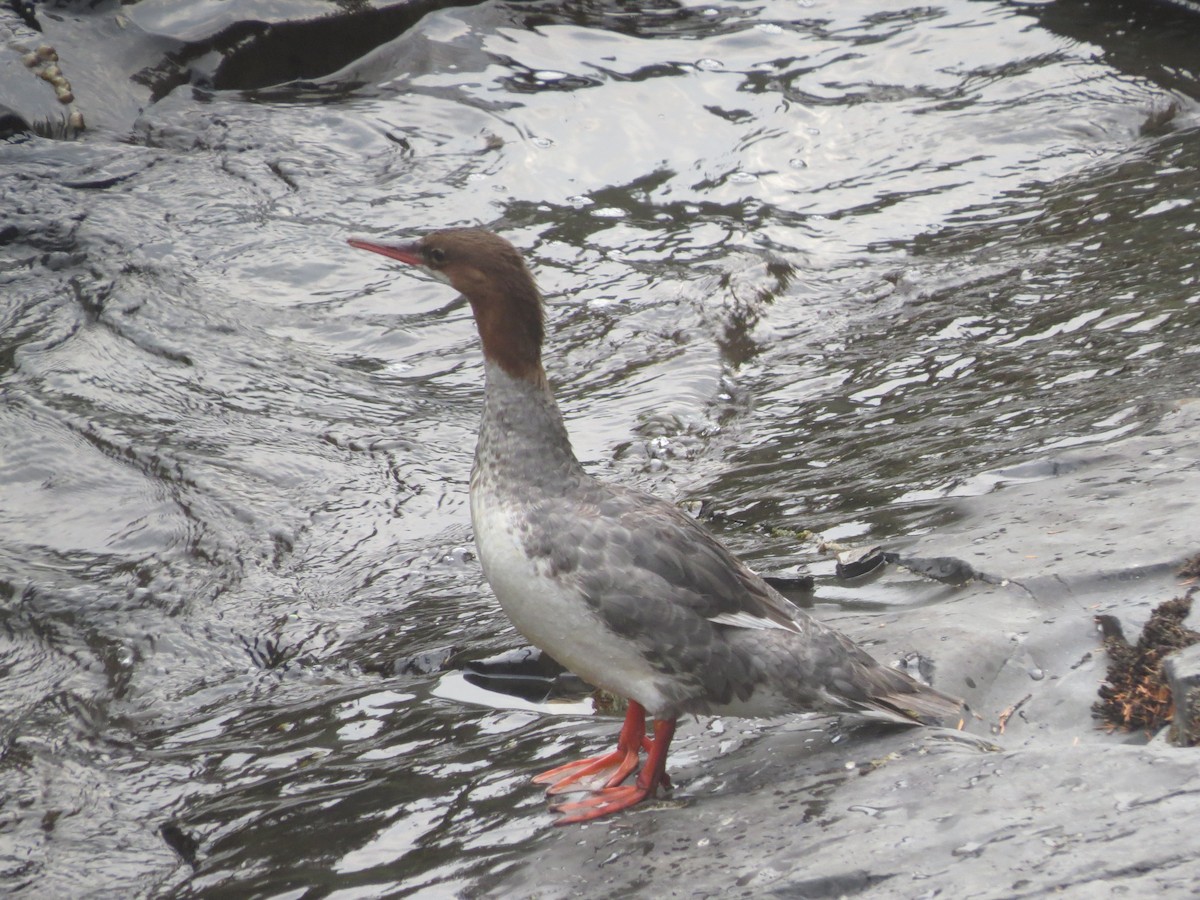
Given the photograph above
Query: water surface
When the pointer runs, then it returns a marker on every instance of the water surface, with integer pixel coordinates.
(823, 266)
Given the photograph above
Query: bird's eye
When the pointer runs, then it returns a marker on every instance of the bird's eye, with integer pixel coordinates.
(436, 255)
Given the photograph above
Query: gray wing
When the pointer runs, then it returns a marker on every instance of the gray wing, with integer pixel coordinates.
(657, 544)
(701, 617)
(657, 578)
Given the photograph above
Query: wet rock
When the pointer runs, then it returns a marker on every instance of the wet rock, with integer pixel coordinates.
(27, 98)
(34, 75)
(250, 44)
(526, 673)
(859, 562)
(1182, 672)
(12, 123)
(118, 59)
(26, 11)
(946, 569)
(798, 582)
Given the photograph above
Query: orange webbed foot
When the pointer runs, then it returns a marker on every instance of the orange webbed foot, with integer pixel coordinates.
(613, 796)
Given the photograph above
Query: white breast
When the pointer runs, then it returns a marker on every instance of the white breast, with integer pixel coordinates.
(551, 613)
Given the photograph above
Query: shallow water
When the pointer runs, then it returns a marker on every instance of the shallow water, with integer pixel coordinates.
(821, 265)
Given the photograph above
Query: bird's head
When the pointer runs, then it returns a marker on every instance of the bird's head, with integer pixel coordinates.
(490, 273)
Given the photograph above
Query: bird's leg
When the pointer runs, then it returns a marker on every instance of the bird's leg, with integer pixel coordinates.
(612, 798)
(614, 766)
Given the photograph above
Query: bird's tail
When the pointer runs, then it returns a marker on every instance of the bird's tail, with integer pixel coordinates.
(911, 703)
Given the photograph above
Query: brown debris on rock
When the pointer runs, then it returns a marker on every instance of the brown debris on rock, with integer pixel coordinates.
(1135, 693)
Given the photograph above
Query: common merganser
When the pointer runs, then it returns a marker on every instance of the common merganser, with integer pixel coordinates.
(622, 588)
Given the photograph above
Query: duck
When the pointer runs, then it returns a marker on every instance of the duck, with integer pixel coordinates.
(623, 588)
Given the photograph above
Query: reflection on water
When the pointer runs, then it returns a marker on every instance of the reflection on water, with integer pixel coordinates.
(823, 266)
(1028, 353)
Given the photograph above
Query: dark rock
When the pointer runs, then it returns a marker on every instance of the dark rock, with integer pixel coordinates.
(946, 569)
(12, 123)
(790, 582)
(527, 673)
(247, 46)
(27, 11)
(1182, 672)
(859, 562)
(181, 842)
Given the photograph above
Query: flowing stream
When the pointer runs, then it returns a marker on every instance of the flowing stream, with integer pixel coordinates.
(820, 265)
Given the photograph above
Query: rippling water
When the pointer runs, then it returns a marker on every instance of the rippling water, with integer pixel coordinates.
(824, 265)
